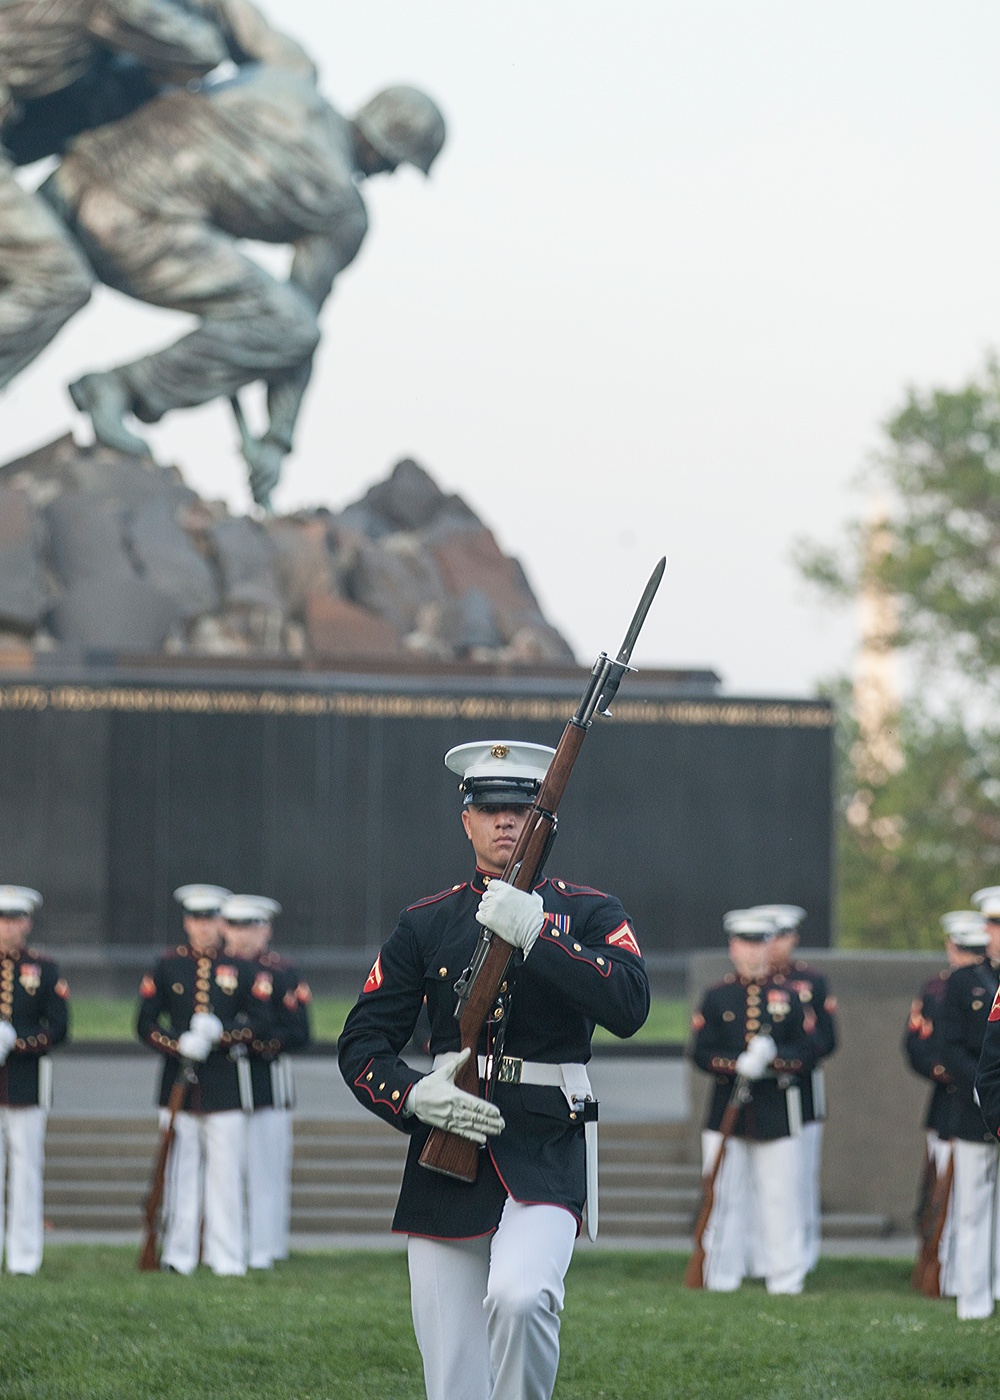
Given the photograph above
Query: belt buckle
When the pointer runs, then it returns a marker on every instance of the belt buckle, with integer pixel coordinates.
(510, 1070)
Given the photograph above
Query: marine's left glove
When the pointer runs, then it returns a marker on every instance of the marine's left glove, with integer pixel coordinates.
(437, 1100)
(193, 1046)
(203, 1023)
(8, 1035)
(516, 916)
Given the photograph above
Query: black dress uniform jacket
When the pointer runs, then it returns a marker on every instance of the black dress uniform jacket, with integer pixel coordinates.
(819, 1008)
(962, 1020)
(732, 1013)
(33, 998)
(922, 1047)
(584, 969)
(183, 982)
(988, 1075)
(284, 1011)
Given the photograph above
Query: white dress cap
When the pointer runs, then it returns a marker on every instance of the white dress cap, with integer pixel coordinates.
(249, 909)
(201, 899)
(750, 924)
(500, 772)
(787, 917)
(987, 901)
(966, 928)
(18, 900)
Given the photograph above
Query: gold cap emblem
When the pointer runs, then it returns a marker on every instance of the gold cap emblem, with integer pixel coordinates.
(499, 751)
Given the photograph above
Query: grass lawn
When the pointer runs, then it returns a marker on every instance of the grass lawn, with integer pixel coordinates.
(337, 1327)
(110, 1018)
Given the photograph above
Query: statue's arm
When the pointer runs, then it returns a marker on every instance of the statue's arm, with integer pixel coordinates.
(317, 261)
(171, 42)
(251, 39)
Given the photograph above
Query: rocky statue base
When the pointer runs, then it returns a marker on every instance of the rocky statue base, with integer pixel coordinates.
(102, 552)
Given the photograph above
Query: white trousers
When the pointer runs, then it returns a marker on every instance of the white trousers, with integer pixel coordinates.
(811, 1155)
(486, 1312)
(269, 1184)
(204, 1201)
(22, 1162)
(974, 1276)
(757, 1214)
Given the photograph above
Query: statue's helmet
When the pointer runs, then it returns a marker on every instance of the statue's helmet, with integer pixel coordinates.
(403, 124)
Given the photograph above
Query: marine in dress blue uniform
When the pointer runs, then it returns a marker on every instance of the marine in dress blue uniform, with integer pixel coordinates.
(197, 1004)
(487, 1260)
(753, 1024)
(33, 1018)
(974, 1272)
(820, 1007)
(283, 1005)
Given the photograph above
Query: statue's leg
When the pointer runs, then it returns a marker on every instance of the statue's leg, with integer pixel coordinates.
(44, 278)
(251, 325)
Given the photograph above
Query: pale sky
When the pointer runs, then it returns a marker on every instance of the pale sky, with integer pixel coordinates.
(674, 266)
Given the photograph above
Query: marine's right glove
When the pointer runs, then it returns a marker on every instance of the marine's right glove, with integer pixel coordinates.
(517, 916)
(193, 1046)
(206, 1025)
(436, 1100)
(756, 1058)
(8, 1035)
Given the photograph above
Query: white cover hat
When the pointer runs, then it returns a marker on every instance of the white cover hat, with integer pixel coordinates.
(787, 917)
(201, 899)
(966, 928)
(18, 900)
(500, 772)
(750, 924)
(249, 909)
(987, 901)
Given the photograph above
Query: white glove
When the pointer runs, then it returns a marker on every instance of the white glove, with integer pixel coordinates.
(516, 916)
(436, 1100)
(193, 1046)
(206, 1025)
(8, 1035)
(756, 1058)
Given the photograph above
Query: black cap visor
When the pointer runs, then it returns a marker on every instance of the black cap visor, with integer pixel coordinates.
(499, 792)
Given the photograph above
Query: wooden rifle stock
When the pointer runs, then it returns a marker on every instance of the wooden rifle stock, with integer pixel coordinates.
(149, 1255)
(443, 1151)
(694, 1274)
(930, 1281)
(924, 1217)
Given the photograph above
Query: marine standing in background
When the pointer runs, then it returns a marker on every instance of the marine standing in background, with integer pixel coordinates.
(196, 1006)
(33, 1018)
(965, 944)
(820, 1009)
(488, 1260)
(752, 1024)
(284, 997)
(969, 994)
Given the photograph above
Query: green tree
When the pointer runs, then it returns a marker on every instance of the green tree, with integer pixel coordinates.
(916, 842)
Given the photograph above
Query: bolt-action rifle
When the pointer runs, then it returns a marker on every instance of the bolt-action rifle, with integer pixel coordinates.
(149, 1256)
(694, 1274)
(479, 986)
(929, 1282)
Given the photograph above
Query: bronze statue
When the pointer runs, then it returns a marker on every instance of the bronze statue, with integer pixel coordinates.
(47, 46)
(158, 202)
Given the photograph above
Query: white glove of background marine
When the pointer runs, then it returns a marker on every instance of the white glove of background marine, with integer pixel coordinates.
(193, 1046)
(516, 916)
(206, 1025)
(757, 1057)
(436, 1100)
(7, 1037)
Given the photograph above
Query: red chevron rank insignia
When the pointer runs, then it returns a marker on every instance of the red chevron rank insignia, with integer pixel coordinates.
(375, 976)
(147, 987)
(623, 937)
(995, 1008)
